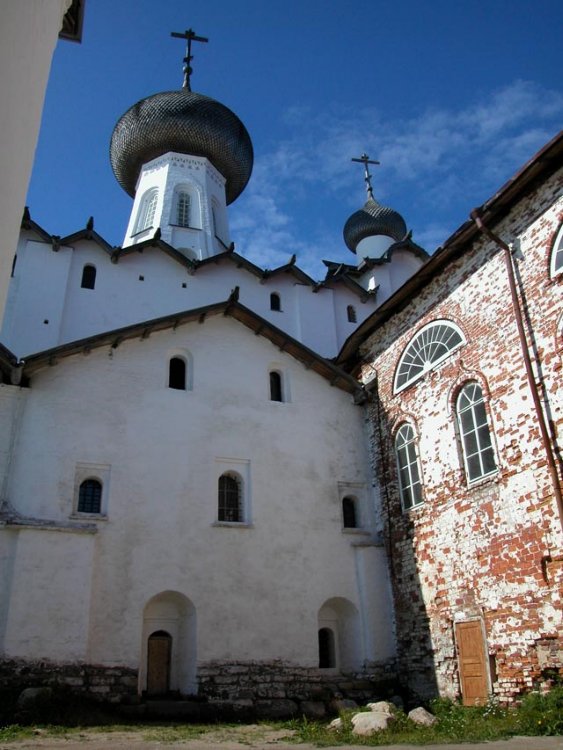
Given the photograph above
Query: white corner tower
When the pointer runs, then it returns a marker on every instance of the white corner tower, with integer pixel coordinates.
(183, 157)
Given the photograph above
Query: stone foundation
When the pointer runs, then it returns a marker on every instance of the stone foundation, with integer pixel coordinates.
(247, 689)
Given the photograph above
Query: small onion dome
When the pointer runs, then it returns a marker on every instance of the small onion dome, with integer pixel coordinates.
(185, 122)
(372, 220)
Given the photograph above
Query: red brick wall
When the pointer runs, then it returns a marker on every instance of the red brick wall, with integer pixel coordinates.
(476, 550)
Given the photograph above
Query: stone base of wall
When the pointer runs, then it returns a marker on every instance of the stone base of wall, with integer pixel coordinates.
(109, 684)
(245, 690)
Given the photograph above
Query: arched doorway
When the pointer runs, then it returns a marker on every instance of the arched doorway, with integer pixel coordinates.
(168, 659)
(159, 652)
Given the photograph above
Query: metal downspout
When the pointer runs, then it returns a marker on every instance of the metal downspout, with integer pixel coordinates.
(546, 440)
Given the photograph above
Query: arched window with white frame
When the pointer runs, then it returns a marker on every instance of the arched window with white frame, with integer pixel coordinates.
(432, 345)
(230, 508)
(557, 253)
(408, 467)
(90, 496)
(147, 211)
(475, 433)
(183, 209)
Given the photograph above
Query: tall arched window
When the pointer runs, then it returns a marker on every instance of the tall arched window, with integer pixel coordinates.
(230, 501)
(275, 301)
(351, 313)
(478, 453)
(431, 345)
(557, 254)
(147, 211)
(276, 391)
(88, 277)
(177, 373)
(349, 519)
(410, 485)
(183, 208)
(90, 496)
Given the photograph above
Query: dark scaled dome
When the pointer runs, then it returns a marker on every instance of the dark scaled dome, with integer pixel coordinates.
(185, 122)
(372, 220)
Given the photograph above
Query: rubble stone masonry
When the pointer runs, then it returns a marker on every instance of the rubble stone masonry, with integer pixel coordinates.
(490, 550)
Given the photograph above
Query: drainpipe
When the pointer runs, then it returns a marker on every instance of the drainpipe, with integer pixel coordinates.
(545, 437)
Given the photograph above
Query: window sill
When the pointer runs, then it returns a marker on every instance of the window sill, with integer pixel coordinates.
(232, 525)
(357, 530)
(487, 479)
(90, 516)
(141, 231)
(181, 226)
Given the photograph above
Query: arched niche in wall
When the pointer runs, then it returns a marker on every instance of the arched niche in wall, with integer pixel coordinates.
(340, 647)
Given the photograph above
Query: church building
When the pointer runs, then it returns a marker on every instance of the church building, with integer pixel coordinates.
(242, 484)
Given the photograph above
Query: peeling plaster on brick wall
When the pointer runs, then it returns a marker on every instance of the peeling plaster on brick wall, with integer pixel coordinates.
(476, 552)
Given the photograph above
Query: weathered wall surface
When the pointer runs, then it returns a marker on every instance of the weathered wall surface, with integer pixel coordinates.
(478, 550)
(160, 560)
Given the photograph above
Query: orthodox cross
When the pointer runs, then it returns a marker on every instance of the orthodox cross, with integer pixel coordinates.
(190, 36)
(365, 160)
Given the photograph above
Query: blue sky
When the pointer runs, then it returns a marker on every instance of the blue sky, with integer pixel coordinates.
(452, 97)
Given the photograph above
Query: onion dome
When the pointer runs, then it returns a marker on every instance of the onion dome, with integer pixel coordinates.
(188, 123)
(372, 220)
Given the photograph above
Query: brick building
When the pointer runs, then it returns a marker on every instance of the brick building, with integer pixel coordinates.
(470, 489)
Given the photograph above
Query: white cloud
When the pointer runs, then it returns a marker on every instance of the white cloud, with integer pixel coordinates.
(434, 168)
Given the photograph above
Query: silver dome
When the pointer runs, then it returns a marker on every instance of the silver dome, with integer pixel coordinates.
(372, 220)
(188, 123)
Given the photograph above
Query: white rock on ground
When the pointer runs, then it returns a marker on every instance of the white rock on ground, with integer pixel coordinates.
(366, 724)
(382, 707)
(422, 716)
(335, 725)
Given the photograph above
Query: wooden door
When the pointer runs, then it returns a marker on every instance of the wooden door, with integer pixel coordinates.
(472, 655)
(158, 663)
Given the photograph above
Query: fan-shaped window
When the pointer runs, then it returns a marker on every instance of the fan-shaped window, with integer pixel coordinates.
(88, 277)
(90, 496)
(557, 254)
(432, 344)
(230, 506)
(478, 453)
(349, 520)
(410, 486)
(351, 313)
(177, 374)
(183, 208)
(147, 211)
(275, 301)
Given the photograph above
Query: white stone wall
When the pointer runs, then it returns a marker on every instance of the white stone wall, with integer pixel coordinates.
(256, 589)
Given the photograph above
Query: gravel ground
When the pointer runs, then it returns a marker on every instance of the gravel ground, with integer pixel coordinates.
(239, 738)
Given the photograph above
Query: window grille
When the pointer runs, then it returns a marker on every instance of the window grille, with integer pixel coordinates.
(90, 496)
(275, 301)
(177, 374)
(434, 343)
(88, 277)
(183, 209)
(349, 519)
(410, 486)
(229, 499)
(147, 211)
(478, 453)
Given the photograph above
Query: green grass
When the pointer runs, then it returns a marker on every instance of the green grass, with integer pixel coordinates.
(536, 715)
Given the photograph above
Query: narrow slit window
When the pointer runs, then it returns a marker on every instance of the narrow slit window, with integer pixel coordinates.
(88, 277)
(177, 374)
(276, 392)
(275, 302)
(349, 519)
(351, 312)
(327, 652)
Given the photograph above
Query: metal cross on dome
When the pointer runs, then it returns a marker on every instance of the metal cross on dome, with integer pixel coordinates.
(365, 160)
(190, 36)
